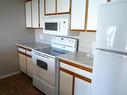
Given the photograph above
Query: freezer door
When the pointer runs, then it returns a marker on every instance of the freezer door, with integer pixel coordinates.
(118, 0)
(112, 27)
(109, 74)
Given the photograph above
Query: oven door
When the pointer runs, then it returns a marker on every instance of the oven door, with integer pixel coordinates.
(45, 68)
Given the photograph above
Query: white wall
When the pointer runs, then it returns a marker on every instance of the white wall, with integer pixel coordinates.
(12, 30)
(86, 39)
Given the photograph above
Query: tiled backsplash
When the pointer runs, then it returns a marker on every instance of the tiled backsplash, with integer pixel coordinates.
(86, 39)
(40, 37)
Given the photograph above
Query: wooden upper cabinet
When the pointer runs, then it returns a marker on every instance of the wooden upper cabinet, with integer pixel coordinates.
(41, 13)
(84, 15)
(54, 7)
(63, 6)
(35, 14)
(50, 6)
(78, 13)
(93, 14)
(28, 6)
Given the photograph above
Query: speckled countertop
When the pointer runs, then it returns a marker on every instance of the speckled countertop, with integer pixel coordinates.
(32, 45)
(80, 58)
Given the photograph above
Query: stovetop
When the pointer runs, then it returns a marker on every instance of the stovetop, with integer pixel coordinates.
(52, 51)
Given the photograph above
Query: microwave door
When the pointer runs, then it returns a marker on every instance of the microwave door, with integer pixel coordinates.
(51, 26)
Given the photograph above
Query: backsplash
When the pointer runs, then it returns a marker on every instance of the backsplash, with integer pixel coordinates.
(86, 39)
(43, 38)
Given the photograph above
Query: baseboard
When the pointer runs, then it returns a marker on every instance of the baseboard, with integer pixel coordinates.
(8, 75)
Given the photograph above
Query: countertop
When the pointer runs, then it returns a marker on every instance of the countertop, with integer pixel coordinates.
(32, 45)
(80, 58)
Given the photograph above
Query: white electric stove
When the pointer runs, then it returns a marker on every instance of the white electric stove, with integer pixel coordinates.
(45, 71)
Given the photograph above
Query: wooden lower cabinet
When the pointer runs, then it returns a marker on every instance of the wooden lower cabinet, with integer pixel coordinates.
(22, 62)
(25, 61)
(72, 85)
(66, 83)
(29, 66)
(82, 87)
(71, 82)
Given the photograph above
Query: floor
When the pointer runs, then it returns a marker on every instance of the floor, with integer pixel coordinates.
(19, 84)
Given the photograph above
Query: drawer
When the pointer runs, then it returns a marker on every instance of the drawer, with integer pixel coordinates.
(21, 50)
(28, 52)
(76, 70)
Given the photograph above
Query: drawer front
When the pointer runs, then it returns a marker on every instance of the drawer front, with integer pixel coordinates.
(21, 50)
(76, 70)
(43, 86)
(28, 52)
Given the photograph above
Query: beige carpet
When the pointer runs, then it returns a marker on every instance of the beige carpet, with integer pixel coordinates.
(19, 84)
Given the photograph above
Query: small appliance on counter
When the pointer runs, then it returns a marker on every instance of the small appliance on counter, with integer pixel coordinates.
(45, 71)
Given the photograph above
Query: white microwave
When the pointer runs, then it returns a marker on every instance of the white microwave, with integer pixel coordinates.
(58, 26)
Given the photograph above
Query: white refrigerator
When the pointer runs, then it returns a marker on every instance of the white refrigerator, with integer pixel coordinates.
(110, 55)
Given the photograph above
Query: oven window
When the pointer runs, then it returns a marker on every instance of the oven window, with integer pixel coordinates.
(51, 26)
(42, 64)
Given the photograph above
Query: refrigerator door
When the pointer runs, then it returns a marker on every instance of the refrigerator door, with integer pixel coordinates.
(109, 73)
(112, 27)
(118, 0)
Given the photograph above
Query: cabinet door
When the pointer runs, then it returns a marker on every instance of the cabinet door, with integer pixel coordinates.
(50, 6)
(78, 14)
(63, 6)
(93, 13)
(35, 14)
(41, 13)
(29, 66)
(66, 83)
(28, 14)
(82, 87)
(22, 63)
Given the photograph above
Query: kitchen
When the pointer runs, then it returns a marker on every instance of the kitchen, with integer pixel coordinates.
(37, 35)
